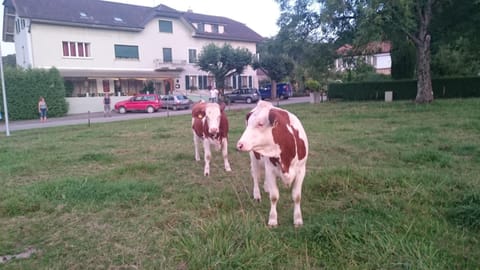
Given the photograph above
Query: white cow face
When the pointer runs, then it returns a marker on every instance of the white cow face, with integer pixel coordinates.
(212, 115)
(258, 132)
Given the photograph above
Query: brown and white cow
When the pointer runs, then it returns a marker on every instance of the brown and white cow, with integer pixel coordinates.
(278, 145)
(210, 126)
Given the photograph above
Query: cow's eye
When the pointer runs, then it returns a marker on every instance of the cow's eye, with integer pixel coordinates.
(260, 124)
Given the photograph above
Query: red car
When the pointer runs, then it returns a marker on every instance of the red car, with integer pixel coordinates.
(148, 103)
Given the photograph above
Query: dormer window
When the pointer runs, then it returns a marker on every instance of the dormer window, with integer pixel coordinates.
(117, 19)
(83, 15)
(215, 28)
(209, 28)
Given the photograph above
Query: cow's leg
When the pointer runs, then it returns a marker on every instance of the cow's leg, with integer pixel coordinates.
(256, 166)
(207, 157)
(225, 155)
(270, 182)
(297, 197)
(196, 140)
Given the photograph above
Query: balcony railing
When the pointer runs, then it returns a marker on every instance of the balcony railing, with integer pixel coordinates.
(172, 65)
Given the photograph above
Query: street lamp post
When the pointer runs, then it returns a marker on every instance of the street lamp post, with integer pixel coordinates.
(4, 93)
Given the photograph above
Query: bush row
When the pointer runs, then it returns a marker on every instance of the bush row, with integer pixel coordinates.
(25, 87)
(405, 89)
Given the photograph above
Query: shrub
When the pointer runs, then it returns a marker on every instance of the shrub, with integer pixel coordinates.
(405, 89)
(24, 87)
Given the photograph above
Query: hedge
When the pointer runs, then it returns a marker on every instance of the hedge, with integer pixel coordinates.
(24, 88)
(405, 89)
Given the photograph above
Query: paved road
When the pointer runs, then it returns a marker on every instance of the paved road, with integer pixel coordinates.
(97, 117)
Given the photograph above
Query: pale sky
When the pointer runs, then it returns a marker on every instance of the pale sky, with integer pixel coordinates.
(260, 15)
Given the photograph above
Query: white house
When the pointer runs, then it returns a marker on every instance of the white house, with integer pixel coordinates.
(376, 54)
(101, 46)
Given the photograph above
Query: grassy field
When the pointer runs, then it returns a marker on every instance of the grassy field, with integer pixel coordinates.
(388, 186)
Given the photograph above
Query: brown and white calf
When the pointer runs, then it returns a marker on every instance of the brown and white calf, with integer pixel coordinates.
(210, 127)
(278, 145)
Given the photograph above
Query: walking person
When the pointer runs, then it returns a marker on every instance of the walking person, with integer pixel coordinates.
(42, 109)
(213, 94)
(106, 105)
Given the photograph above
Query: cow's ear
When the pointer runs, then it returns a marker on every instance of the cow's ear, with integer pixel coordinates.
(275, 115)
(248, 116)
(222, 106)
(198, 110)
(200, 114)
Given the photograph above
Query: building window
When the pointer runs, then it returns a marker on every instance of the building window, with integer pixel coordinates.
(165, 26)
(126, 51)
(76, 49)
(201, 27)
(214, 28)
(17, 26)
(167, 55)
(192, 56)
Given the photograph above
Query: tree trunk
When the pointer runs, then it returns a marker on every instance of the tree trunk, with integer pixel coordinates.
(273, 92)
(424, 79)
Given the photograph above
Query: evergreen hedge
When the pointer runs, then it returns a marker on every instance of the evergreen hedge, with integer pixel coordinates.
(462, 87)
(25, 87)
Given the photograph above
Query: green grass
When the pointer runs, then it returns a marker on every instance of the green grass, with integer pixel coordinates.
(388, 186)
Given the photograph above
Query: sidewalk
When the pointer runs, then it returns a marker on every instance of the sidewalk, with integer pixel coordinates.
(97, 117)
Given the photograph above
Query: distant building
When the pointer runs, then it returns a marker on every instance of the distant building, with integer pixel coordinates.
(376, 54)
(101, 46)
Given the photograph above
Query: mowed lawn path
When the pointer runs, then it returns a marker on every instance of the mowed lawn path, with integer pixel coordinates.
(388, 186)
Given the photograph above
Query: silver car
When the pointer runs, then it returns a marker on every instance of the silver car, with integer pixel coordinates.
(176, 102)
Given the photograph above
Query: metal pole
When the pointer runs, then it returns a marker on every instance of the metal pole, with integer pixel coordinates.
(4, 93)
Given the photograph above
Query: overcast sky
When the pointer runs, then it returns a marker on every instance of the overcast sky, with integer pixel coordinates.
(260, 15)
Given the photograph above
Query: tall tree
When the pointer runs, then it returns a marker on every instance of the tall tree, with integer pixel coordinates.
(276, 67)
(223, 61)
(376, 19)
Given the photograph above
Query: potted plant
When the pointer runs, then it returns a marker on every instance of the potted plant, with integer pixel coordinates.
(313, 86)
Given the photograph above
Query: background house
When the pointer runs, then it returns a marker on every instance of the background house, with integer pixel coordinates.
(104, 47)
(376, 54)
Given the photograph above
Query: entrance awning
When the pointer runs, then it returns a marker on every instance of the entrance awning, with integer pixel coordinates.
(119, 73)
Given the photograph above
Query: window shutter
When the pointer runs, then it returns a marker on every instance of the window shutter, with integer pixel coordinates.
(200, 82)
(187, 82)
(234, 82)
(250, 82)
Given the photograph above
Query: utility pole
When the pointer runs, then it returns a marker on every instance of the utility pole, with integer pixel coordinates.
(4, 93)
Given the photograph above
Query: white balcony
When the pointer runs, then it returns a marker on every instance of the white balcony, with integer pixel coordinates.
(178, 65)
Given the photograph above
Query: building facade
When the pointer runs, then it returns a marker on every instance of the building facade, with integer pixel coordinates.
(104, 47)
(376, 54)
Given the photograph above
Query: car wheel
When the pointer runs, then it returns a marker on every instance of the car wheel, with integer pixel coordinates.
(248, 100)
(122, 110)
(150, 109)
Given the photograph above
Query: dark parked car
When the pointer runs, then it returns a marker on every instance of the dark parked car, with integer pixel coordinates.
(247, 95)
(147, 103)
(284, 91)
(176, 102)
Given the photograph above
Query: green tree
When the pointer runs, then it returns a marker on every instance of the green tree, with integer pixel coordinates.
(375, 20)
(276, 67)
(223, 61)
(456, 47)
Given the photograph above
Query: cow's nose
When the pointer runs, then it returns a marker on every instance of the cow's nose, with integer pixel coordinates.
(214, 130)
(239, 146)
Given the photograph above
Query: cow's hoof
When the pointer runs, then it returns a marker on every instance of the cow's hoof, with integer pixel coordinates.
(297, 226)
(272, 224)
